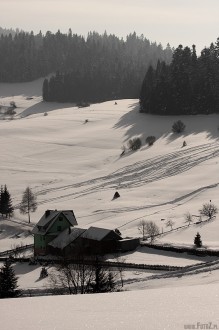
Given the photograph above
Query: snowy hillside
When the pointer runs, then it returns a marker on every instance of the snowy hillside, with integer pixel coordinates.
(71, 160)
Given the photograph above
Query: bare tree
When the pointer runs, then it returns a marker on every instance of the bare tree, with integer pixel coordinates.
(151, 230)
(82, 275)
(208, 210)
(188, 218)
(142, 228)
(28, 203)
(170, 224)
(74, 277)
(120, 266)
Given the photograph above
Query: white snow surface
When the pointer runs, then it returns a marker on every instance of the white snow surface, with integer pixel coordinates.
(153, 309)
(71, 160)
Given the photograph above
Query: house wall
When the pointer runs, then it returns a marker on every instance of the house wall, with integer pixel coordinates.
(128, 244)
(41, 242)
(90, 247)
(59, 225)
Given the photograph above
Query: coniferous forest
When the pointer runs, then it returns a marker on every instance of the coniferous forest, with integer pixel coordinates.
(104, 67)
(92, 69)
(188, 85)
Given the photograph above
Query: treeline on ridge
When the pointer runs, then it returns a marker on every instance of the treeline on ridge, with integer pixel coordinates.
(104, 67)
(94, 68)
(188, 85)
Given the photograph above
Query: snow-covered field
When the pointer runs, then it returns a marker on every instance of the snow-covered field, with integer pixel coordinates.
(152, 309)
(71, 160)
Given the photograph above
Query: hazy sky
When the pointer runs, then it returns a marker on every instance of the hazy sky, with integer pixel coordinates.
(175, 21)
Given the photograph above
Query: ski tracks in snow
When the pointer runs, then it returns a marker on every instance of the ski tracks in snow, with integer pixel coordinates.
(139, 173)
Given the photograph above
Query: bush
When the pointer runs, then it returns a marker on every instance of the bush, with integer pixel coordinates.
(43, 273)
(45, 114)
(135, 143)
(178, 127)
(150, 140)
(12, 104)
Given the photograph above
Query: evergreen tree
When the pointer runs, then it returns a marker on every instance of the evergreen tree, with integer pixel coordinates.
(8, 281)
(188, 85)
(2, 201)
(28, 203)
(46, 90)
(197, 240)
(6, 207)
(101, 280)
(104, 279)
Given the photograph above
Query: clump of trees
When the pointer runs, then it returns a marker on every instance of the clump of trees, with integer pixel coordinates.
(148, 229)
(84, 275)
(87, 69)
(135, 144)
(188, 85)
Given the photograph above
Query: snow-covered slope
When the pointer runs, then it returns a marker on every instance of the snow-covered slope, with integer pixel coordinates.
(71, 159)
(167, 308)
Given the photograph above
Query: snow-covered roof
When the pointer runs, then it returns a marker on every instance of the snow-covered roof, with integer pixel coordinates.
(66, 237)
(49, 217)
(97, 234)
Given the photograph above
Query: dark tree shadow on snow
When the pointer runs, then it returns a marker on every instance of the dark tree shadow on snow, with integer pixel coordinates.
(143, 125)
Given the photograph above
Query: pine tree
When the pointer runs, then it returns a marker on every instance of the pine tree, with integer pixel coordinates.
(8, 281)
(197, 240)
(6, 207)
(2, 201)
(101, 280)
(28, 203)
(111, 285)
(46, 90)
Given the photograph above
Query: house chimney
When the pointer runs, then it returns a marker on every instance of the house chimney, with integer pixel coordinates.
(47, 213)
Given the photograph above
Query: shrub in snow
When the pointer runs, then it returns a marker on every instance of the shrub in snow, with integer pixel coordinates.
(170, 224)
(197, 240)
(45, 114)
(135, 144)
(150, 140)
(12, 104)
(43, 273)
(148, 229)
(178, 127)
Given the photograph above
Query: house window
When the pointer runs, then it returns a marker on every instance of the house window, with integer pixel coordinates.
(60, 218)
(59, 228)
